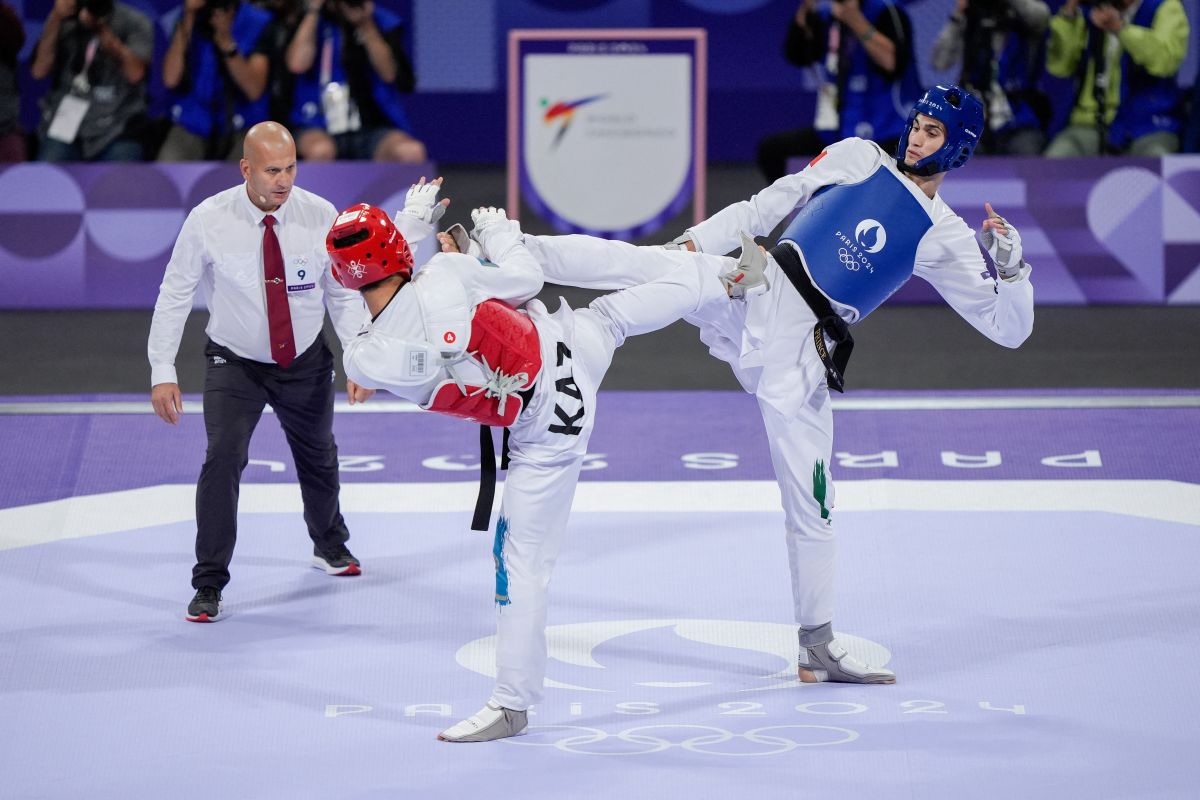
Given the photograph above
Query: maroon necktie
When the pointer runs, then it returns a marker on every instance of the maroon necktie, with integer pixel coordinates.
(279, 316)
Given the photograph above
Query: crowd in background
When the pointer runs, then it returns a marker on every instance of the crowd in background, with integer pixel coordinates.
(1124, 58)
(335, 71)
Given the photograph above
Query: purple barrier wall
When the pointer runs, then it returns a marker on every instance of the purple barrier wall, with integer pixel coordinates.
(99, 236)
(1096, 230)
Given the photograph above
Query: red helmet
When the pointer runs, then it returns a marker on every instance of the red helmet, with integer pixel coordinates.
(365, 247)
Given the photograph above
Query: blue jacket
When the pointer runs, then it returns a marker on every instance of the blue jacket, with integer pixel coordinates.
(871, 105)
(1148, 103)
(1018, 71)
(306, 108)
(199, 104)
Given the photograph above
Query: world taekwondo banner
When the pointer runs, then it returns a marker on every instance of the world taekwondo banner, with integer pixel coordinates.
(606, 128)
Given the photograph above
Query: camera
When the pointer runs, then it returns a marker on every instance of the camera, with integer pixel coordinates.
(989, 14)
(97, 9)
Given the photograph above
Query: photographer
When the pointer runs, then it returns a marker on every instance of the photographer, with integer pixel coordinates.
(1125, 56)
(285, 20)
(216, 68)
(864, 51)
(351, 69)
(999, 45)
(98, 53)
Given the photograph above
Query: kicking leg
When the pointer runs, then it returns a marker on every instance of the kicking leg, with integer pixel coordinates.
(592, 263)
(687, 290)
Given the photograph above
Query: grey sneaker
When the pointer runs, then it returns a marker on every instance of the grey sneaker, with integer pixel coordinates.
(823, 658)
(205, 606)
(336, 559)
(488, 724)
(748, 276)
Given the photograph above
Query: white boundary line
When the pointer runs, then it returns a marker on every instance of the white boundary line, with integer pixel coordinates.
(113, 512)
(839, 404)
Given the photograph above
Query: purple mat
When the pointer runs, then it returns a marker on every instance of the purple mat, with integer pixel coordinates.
(1038, 653)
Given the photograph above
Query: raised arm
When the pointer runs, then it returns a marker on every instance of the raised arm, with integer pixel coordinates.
(949, 258)
(509, 273)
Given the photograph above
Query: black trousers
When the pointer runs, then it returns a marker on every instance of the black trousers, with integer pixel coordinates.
(235, 392)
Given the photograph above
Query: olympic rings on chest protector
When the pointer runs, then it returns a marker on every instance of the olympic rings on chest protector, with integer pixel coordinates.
(707, 739)
(848, 261)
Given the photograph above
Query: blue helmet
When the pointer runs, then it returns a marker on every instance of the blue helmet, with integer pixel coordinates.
(961, 113)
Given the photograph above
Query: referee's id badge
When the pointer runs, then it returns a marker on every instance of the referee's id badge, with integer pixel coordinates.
(301, 273)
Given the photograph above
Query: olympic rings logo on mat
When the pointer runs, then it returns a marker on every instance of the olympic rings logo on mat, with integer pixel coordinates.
(702, 739)
(848, 261)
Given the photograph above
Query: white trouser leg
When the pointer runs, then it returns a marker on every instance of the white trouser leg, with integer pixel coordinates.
(533, 523)
(800, 452)
(687, 289)
(592, 263)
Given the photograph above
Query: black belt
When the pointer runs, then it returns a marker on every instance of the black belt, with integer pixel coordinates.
(487, 469)
(828, 323)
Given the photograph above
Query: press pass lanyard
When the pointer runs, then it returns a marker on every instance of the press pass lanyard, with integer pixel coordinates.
(327, 59)
(80, 85)
(68, 117)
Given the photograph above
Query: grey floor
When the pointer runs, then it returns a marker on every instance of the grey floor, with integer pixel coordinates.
(899, 347)
(919, 347)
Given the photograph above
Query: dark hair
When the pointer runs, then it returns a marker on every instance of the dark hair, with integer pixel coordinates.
(97, 8)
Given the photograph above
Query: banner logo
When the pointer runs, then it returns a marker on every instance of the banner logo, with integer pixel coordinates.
(563, 113)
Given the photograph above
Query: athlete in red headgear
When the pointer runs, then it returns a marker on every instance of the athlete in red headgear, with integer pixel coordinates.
(465, 337)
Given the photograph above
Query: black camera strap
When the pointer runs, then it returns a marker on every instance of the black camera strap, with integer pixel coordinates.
(1100, 74)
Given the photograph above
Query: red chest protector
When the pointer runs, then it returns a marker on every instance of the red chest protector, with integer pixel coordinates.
(505, 344)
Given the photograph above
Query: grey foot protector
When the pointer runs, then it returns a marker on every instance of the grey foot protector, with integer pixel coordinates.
(750, 272)
(508, 723)
(459, 234)
(829, 661)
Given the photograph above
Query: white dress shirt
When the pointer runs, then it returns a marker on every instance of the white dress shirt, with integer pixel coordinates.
(220, 250)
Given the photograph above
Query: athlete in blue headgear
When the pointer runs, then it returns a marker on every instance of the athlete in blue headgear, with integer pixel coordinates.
(866, 222)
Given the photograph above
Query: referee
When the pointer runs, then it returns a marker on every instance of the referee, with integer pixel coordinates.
(257, 251)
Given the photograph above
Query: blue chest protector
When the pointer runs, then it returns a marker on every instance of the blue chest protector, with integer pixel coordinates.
(860, 240)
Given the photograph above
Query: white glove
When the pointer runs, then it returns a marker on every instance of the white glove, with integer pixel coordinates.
(1005, 250)
(494, 231)
(422, 202)
(485, 217)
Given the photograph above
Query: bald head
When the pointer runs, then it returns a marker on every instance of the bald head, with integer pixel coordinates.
(267, 140)
(268, 164)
